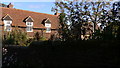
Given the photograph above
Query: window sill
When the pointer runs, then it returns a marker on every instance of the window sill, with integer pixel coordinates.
(29, 31)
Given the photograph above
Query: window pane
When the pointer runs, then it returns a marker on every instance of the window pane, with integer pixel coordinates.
(47, 25)
(29, 23)
(7, 28)
(7, 25)
(29, 28)
(48, 30)
(8, 22)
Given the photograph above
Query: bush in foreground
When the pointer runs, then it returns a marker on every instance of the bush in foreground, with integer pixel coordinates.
(15, 37)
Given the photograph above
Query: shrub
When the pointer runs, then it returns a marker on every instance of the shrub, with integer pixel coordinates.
(36, 36)
(15, 37)
(43, 39)
(39, 37)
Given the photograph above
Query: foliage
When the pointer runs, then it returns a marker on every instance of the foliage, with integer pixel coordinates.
(77, 13)
(39, 37)
(112, 19)
(15, 37)
(43, 39)
(57, 54)
(64, 31)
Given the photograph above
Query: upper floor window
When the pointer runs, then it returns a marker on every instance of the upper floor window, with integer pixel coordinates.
(29, 24)
(47, 23)
(48, 30)
(7, 28)
(7, 23)
(29, 29)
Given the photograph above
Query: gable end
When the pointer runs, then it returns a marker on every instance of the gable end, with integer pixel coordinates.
(29, 19)
(7, 17)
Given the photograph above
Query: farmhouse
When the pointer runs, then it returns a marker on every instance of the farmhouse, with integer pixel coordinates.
(29, 21)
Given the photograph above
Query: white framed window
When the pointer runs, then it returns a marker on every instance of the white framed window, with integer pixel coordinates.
(7, 28)
(29, 29)
(7, 25)
(48, 30)
(47, 25)
(29, 23)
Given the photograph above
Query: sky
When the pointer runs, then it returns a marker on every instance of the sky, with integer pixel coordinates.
(27, 0)
(42, 7)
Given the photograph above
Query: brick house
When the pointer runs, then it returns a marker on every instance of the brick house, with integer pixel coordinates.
(29, 21)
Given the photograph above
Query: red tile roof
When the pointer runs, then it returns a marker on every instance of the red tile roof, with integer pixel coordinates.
(19, 16)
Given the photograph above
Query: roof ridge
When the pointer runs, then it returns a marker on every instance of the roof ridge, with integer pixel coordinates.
(28, 11)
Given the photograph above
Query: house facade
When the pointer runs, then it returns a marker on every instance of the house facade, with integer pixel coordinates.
(29, 21)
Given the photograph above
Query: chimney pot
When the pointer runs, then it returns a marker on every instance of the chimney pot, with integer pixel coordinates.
(10, 5)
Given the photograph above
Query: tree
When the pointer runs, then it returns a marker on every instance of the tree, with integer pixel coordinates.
(64, 27)
(116, 18)
(78, 13)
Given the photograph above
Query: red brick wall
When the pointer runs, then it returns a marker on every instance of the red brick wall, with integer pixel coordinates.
(42, 32)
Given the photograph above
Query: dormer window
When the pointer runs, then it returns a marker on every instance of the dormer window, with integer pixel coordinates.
(29, 27)
(48, 25)
(29, 24)
(7, 23)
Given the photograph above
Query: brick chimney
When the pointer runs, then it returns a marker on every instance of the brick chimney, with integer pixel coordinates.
(10, 5)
